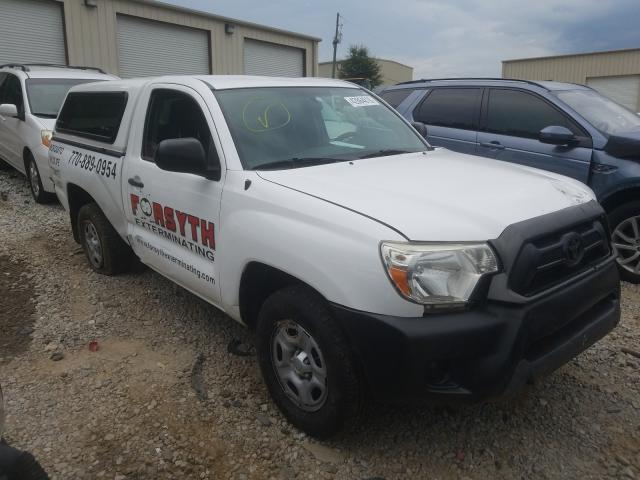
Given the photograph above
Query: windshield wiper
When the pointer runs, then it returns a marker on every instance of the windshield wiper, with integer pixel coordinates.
(297, 162)
(384, 153)
(46, 115)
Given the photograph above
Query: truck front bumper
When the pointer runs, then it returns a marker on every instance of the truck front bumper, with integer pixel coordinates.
(485, 351)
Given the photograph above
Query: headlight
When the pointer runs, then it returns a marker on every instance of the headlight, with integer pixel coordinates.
(2, 414)
(433, 274)
(46, 135)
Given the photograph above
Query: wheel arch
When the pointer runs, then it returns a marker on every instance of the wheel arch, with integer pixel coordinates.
(26, 155)
(77, 197)
(259, 280)
(620, 197)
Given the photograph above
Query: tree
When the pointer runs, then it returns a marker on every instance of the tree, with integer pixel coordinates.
(360, 65)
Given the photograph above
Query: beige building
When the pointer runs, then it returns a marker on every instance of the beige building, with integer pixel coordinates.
(143, 37)
(392, 72)
(615, 74)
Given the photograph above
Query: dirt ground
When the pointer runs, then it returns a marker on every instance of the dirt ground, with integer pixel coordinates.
(163, 397)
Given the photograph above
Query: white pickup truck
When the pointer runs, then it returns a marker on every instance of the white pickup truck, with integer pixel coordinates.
(369, 265)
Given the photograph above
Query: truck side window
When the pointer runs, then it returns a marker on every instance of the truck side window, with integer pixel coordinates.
(450, 107)
(174, 114)
(521, 114)
(94, 115)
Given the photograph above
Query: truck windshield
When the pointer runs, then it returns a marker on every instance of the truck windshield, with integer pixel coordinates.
(293, 127)
(604, 114)
(47, 94)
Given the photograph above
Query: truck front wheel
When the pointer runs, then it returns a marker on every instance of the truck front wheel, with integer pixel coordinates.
(306, 362)
(106, 251)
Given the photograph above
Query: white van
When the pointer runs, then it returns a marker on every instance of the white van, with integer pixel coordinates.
(30, 97)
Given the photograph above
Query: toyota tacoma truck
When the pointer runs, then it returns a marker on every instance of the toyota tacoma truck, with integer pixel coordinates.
(369, 265)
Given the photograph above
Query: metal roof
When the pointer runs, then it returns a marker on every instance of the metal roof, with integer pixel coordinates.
(191, 11)
(328, 62)
(602, 52)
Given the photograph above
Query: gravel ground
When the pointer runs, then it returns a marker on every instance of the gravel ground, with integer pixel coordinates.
(163, 397)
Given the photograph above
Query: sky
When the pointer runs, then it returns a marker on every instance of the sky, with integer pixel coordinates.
(448, 38)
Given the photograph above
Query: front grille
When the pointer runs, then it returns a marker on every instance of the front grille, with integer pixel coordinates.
(553, 258)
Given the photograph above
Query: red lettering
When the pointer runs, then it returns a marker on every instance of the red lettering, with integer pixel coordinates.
(207, 234)
(135, 200)
(194, 222)
(182, 218)
(169, 221)
(157, 214)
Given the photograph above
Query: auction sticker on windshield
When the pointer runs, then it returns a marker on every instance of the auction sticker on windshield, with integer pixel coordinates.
(362, 101)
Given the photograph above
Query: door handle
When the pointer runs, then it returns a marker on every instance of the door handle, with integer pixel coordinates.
(495, 145)
(136, 182)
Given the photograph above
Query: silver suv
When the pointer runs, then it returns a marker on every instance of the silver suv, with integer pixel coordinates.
(30, 98)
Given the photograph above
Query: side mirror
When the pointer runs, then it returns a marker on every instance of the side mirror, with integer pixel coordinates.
(8, 110)
(184, 155)
(421, 128)
(556, 135)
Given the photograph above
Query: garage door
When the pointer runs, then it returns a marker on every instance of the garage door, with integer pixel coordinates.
(149, 48)
(31, 31)
(262, 58)
(623, 89)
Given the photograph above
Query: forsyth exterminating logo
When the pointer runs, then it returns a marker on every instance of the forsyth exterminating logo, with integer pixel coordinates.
(145, 206)
(193, 233)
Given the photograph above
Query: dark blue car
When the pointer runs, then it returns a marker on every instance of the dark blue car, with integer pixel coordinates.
(565, 128)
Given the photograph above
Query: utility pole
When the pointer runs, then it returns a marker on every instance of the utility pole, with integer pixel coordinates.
(336, 41)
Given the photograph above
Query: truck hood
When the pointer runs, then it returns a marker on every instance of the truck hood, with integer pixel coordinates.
(438, 195)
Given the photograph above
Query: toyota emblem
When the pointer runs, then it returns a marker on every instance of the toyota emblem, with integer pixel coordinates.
(573, 249)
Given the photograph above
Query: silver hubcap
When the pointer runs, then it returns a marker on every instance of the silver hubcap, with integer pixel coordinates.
(626, 244)
(299, 365)
(34, 178)
(94, 247)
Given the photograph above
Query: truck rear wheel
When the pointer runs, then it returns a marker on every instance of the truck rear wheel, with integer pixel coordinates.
(106, 251)
(307, 364)
(625, 228)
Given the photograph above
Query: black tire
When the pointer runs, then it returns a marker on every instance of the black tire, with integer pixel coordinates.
(4, 165)
(344, 397)
(617, 218)
(115, 256)
(35, 182)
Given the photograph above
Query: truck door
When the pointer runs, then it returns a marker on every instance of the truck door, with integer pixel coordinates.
(173, 217)
(512, 122)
